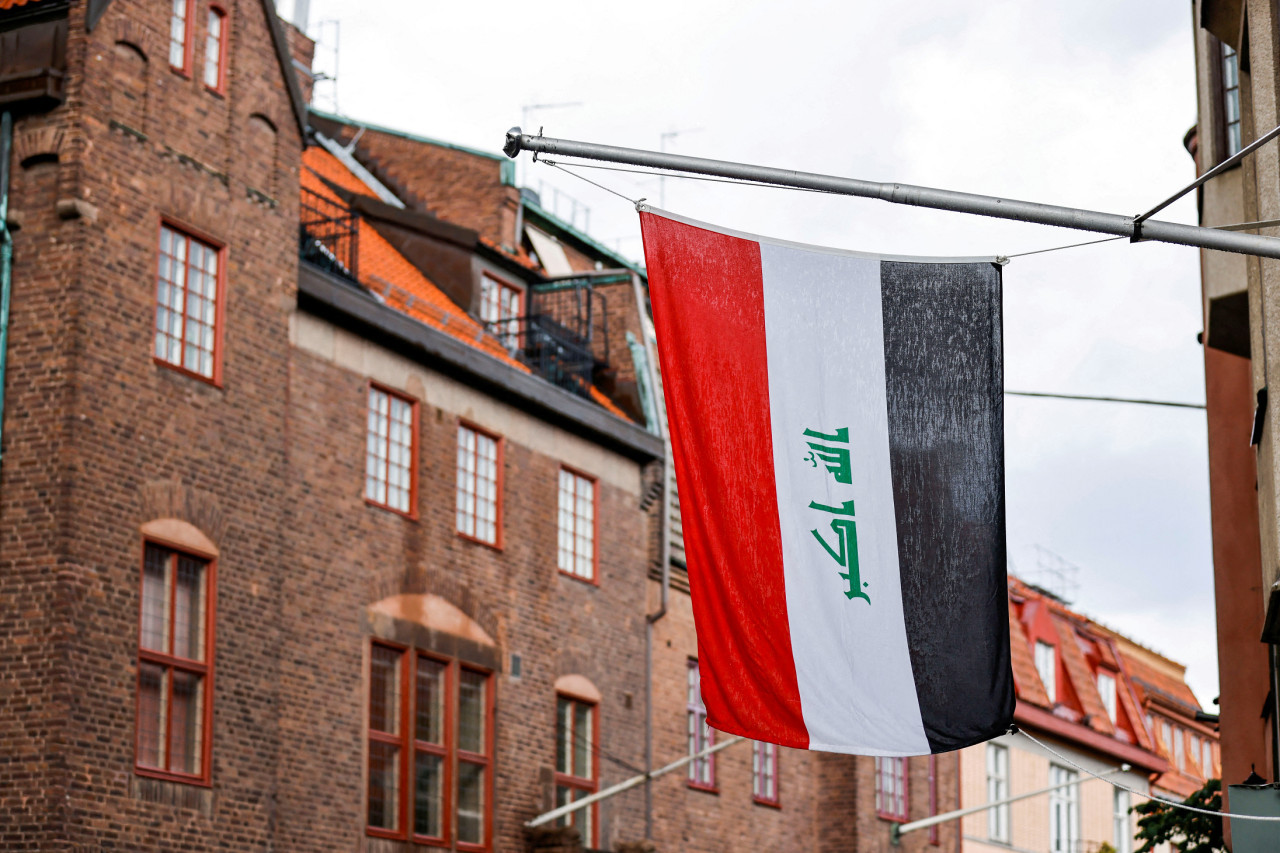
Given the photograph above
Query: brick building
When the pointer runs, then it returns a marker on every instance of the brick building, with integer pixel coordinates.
(331, 493)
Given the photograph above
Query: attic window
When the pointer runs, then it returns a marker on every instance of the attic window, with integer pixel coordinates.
(1107, 690)
(550, 253)
(1047, 666)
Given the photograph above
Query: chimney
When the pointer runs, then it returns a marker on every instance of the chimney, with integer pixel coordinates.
(303, 50)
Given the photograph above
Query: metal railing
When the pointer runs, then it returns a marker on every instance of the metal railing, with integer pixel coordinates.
(328, 235)
(549, 349)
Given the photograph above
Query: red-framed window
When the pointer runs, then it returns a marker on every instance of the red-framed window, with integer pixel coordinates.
(764, 773)
(702, 771)
(576, 525)
(479, 504)
(180, 25)
(430, 749)
(499, 302)
(215, 50)
(577, 772)
(189, 284)
(891, 788)
(175, 666)
(391, 451)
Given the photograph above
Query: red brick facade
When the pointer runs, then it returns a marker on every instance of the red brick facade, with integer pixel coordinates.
(262, 472)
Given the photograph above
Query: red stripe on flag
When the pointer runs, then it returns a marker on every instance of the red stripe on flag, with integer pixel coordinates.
(707, 291)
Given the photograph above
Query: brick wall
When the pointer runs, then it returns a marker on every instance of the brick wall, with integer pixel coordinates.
(100, 439)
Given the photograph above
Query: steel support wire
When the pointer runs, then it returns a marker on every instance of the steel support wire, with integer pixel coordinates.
(1000, 208)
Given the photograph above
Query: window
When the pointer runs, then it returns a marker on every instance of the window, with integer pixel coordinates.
(764, 773)
(1179, 750)
(1206, 749)
(576, 763)
(187, 304)
(500, 306)
(1195, 750)
(1064, 811)
(933, 797)
(1123, 834)
(576, 525)
(1047, 666)
(1107, 690)
(891, 788)
(428, 719)
(179, 34)
(175, 665)
(215, 50)
(1166, 734)
(479, 507)
(1231, 100)
(998, 789)
(390, 451)
(702, 771)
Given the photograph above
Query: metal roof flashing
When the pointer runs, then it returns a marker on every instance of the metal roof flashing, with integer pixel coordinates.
(355, 308)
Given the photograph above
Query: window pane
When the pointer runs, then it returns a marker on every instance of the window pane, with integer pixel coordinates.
(384, 785)
(582, 740)
(471, 711)
(384, 690)
(155, 599)
(471, 781)
(153, 688)
(186, 742)
(428, 798)
(430, 701)
(564, 732)
(189, 609)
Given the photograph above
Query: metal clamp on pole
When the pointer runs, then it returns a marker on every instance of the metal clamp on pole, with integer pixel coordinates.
(1001, 208)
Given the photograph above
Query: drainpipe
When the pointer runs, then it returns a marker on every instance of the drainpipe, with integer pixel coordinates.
(6, 255)
(665, 527)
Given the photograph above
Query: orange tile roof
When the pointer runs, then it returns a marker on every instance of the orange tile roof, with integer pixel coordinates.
(10, 4)
(388, 273)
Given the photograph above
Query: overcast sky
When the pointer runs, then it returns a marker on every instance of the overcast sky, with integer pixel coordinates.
(1080, 103)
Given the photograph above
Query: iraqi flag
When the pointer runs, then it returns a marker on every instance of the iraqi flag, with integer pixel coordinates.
(836, 425)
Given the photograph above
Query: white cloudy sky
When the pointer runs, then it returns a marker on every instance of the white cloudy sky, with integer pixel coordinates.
(1081, 103)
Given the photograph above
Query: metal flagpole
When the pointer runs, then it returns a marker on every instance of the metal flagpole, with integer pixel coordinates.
(1136, 228)
(561, 811)
(899, 829)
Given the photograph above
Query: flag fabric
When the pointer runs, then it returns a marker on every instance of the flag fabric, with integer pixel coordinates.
(837, 432)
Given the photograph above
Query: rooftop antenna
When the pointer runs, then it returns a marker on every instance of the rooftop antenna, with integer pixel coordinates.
(327, 33)
(662, 146)
(1056, 576)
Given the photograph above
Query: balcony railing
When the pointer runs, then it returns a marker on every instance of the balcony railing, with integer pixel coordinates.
(328, 235)
(549, 349)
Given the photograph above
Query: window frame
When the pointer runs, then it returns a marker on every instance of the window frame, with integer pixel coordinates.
(1123, 837)
(219, 302)
(579, 783)
(414, 437)
(1069, 799)
(595, 524)
(1112, 708)
(884, 810)
(203, 779)
(410, 746)
(221, 11)
(697, 710)
(188, 40)
(758, 758)
(1001, 816)
(498, 543)
(1051, 685)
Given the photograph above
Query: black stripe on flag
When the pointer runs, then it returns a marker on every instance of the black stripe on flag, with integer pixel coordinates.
(944, 378)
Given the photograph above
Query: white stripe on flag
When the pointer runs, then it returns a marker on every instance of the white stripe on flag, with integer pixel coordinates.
(825, 345)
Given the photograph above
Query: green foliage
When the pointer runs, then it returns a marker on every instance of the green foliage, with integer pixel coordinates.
(1188, 832)
(1104, 847)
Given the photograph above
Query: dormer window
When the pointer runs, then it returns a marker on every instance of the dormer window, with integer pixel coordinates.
(1107, 690)
(1047, 666)
(500, 309)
